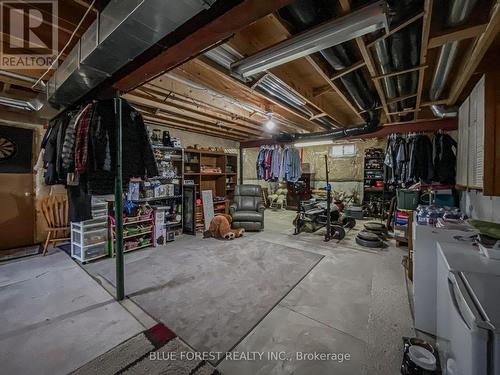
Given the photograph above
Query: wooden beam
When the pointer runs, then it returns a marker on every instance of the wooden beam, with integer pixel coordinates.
(394, 30)
(148, 119)
(401, 98)
(221, 28)
(348, 70)
(368, 59)
(319, 115)
(191, 124)
(322, 90)
(200, 116)
(426, 28)
(404, 111)
(210, 72)
(471, 62)
(322, 73)
(373, 72)
(288, 72)
(213, 131)
(434, 102)
(392, 74)
(459, 33)
(332, 111)
(216, 101)
(200, 107)
(306, 98)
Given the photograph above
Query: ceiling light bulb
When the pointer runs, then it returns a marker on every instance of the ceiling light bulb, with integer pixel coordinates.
(270, 124)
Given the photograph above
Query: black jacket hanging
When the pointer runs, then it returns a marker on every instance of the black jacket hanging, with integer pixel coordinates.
(445, 159)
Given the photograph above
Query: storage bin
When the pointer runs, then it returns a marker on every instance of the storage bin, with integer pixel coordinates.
(444, 200)
(354, 212)
(408, 199)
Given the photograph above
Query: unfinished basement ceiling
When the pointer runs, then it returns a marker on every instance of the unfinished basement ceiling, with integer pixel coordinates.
(387, 75)
(323, 92)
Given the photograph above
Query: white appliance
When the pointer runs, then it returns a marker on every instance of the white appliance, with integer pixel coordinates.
(468, 311)
(425, 239)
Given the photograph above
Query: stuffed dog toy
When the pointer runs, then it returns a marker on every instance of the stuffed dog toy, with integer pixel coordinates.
(220, 227)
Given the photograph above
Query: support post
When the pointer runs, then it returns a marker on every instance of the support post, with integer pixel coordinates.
(328, 233)
(120, 287)
(241, 165)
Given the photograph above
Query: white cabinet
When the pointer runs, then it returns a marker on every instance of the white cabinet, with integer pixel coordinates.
(471, 121)
(476, 136)
(463, 144)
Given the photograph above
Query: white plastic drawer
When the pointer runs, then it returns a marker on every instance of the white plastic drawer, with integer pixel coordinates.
(90, 237)
(93, 223)
(99, 214)
(96, 251)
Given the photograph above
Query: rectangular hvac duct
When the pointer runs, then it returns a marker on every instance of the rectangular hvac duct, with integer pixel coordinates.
(121, 32)
(356, 24)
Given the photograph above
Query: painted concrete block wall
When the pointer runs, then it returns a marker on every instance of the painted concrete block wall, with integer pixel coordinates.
(478, 206)
(345, 173)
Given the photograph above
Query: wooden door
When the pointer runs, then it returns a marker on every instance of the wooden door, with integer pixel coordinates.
(17, 213)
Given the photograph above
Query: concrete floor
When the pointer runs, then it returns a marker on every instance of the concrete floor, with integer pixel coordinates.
(268, 292)
(276, 292)
(55, 318)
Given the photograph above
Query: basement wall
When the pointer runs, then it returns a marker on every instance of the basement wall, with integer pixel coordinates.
(478, 206)
(346, 173)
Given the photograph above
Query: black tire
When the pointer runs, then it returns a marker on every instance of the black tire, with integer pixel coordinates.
(368, 236)
(337, 232)
(372, 244)
(375, 227)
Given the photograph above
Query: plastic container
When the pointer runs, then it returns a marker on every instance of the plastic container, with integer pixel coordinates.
(408, 199)
(355, 212)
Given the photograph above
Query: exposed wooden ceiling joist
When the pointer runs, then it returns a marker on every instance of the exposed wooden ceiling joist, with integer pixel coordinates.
(348, 70)
(426, 28)
(216, 101)
(282, 30)
(394, 30)
(203, 71)
(471, 62)
(213, 32)
(200, 108)
(186, 113)
(212, 129)
(400, 72)
(170, 124)
(459, 33)
(368, 59)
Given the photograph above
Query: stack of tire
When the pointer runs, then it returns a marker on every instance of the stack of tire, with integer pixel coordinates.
(373, 235)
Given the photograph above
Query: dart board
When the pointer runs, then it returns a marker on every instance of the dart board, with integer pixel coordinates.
(8, 148)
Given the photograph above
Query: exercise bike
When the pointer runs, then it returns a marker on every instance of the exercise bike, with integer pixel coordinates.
(315, 214)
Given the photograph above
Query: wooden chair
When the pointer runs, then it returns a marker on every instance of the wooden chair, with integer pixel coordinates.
(55, 212)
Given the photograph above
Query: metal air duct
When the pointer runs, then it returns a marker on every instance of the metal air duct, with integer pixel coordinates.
(369, 127)
(460, 11)
(22, 77)
(27, 105)
(121, 32)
